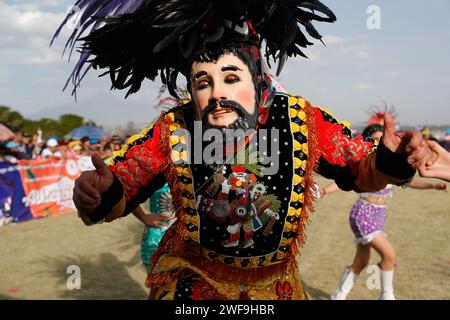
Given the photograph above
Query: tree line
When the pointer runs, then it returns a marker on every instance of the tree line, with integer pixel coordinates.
(50, 127)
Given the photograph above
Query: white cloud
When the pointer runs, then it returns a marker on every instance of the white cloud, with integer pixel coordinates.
(44, 57)
(50, 2)
(361, 54)
(8, 40)
(363, 86)
(26, 33)
(331, 40)
(23, 19)
(392, 74)
(38, 42)
(313, 55)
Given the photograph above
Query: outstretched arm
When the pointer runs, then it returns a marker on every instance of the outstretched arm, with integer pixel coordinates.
(156, 220)
(331, 188)
(355, 164)
(423, 185)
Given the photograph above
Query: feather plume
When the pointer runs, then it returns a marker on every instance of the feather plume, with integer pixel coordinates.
(377, 114)
(139, 39)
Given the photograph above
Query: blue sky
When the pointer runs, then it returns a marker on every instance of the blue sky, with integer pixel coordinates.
(406, 63)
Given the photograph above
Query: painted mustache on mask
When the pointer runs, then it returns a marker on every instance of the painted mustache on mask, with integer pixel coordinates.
(246, 119)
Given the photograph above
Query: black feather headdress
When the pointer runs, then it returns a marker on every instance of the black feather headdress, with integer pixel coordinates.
(138, 39)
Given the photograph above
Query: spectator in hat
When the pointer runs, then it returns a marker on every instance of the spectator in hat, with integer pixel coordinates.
(74, 148)
(52, 150)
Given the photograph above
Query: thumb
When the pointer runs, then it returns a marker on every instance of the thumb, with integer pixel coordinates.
(99, 165)
(435, 147)
(389, 125)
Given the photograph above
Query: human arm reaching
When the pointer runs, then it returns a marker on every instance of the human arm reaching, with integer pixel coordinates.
(331, 188)
(441, 169)
(423, 185)
(354, 164)
(154, 220)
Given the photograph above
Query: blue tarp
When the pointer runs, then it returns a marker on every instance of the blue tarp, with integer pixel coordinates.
(12, 193)
(94, 133)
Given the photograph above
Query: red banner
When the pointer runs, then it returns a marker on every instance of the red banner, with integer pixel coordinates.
(48, 184)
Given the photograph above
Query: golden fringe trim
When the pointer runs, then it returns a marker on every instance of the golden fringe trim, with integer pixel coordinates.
(215, 271)
(313, 157)
(264, 289)
(309, 200)
(229, 289)
(174, 240)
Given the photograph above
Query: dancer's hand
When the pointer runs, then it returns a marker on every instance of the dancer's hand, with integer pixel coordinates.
(440, 169)
(158, 220)
(408, 142)
(441, 186)
(90, 185)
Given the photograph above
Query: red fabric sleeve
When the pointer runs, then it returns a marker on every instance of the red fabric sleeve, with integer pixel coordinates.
(139, 162)
(336, 144)
(136, 168)
(350, 162)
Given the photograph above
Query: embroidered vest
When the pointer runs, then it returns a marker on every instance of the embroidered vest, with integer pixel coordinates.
(238, 217)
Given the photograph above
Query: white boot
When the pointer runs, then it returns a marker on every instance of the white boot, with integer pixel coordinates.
(387, 287)
(348, 279)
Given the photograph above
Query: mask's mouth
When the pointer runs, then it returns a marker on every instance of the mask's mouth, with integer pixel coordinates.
(227, 114)
(221, 116)
(233, 121)
(221, 111)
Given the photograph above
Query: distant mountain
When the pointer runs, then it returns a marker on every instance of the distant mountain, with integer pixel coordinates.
(106, 110)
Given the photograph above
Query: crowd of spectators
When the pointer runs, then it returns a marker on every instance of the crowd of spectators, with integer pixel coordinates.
(24, 146)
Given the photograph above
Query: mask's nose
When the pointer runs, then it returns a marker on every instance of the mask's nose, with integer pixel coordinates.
(219, 92)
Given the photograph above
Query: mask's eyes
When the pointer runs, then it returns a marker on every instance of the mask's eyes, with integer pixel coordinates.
(232, 78)
(202, 84)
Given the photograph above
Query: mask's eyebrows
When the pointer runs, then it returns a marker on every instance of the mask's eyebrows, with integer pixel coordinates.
(198, 75)
(230, 67)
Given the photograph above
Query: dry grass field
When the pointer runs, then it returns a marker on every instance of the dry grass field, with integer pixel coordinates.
(35, 255)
